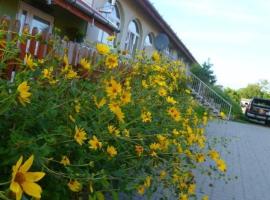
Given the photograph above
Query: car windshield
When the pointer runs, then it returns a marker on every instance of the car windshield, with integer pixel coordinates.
(262, 102)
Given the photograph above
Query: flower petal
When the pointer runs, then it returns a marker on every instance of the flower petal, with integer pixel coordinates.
(19, 194)
(32, 189)
(14, 187)
(34, 176)
(27, 164)
(18, 164)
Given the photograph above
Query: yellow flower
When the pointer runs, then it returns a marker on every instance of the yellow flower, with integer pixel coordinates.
(192, 189)
(80, 135)
(221, 165)
(24, 93)
(29, 62)
(111, 61)
(111, 151)
(65, 161)
(162, 92)
(147, 182)
(146, 116)
(154, 146)
(171, 100)
(71, 74)
(126, 133)
(113, 130)
(144, 84)
(113, 88)
(174, 113)
(85, 64)
(101, 103)
(115, 108)
(74, 186)
(204, 120)
(139, 150)
(95, 143)
(222, 115)
(214, 155)
(200, 158)
(47, 73)
(205, 197)
(111, 38)
(175, 132)
(183, 197)
(65, 60)
(156, 56)
(126, 97)
(141, 190)
(102, 49)
(24, 181)
(162, 174)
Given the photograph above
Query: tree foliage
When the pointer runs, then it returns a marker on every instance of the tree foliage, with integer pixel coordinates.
(260, 89)
(205, 72)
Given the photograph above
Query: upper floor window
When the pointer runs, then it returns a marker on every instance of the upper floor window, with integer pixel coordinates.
(110, 10)
(149, 40)
(133, 35)
(115, 16)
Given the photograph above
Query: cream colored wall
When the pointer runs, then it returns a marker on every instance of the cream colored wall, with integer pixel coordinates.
(129, 11)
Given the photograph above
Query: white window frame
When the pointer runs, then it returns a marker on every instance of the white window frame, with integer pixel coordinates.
(131, 48)
(31, 12)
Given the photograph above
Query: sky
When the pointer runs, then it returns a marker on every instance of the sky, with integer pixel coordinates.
(234, 34)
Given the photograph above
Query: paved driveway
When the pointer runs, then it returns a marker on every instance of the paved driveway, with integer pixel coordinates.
(249, 159)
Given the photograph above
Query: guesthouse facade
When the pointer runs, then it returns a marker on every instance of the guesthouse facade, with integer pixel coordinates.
(135, 23)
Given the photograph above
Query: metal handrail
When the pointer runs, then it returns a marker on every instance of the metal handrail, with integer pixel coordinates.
(208, 95)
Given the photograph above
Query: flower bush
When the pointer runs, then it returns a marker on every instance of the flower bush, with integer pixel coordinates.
(100, 128)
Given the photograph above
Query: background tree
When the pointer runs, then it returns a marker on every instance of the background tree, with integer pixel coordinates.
(205, 72)
(233, 94)
(251, 91)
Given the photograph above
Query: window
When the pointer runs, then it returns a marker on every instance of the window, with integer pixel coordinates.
(111, 13)
(35, 18)
(114, 17)
(102, 37)
(148, 42)
(133, 36)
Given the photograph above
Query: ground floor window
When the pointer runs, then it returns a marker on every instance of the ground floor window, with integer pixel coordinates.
(35, 18)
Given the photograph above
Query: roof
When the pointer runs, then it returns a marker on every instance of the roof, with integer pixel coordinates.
(152, 11)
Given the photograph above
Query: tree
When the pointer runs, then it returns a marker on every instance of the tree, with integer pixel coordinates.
(251, 91)
(204, 72)
(233, 94)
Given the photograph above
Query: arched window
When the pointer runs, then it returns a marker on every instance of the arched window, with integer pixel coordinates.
(133, 35)
(149, 40)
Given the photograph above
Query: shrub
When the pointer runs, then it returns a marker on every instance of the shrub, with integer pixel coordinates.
(125, 127)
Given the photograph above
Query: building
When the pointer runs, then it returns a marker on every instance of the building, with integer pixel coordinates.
(135, 22)
(139, 22)
(71, 17)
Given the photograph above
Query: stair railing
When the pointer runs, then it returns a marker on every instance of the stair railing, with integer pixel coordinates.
(208, 97)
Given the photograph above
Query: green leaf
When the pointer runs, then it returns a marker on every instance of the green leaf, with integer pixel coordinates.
(115, 195)
(100, 196)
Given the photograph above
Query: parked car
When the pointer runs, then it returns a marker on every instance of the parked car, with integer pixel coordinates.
(259, 109)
